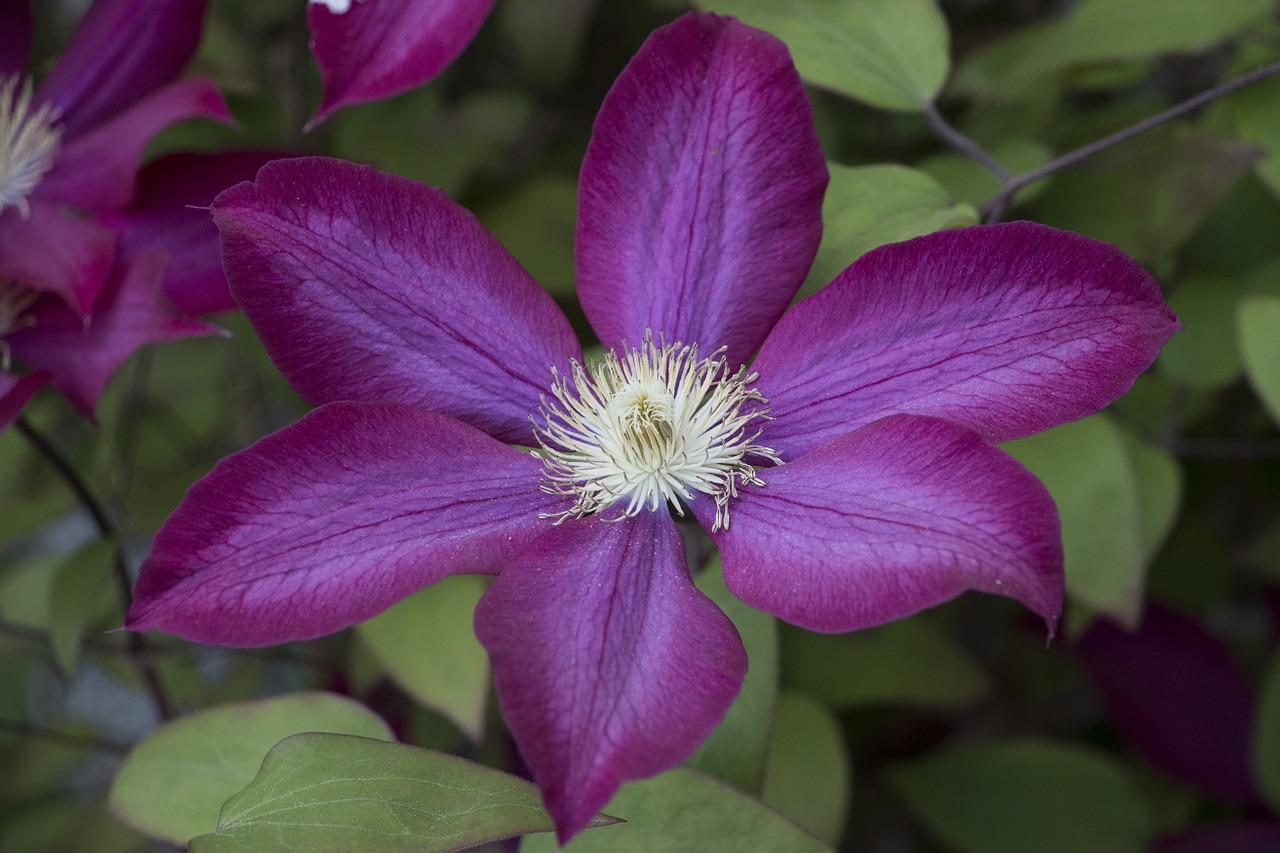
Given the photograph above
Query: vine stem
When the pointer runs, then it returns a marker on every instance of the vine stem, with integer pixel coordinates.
(962, 143)
(107, 530)
(995, 207)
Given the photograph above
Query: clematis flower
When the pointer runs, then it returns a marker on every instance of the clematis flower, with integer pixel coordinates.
(847, 475)
(69, 154)
(372, 49)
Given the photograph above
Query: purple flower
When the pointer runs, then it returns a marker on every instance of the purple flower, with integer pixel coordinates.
(69, 153)
(373, 49)
(848, 478)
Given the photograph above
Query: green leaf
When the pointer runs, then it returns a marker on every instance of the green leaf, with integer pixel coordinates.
(1026, 795)
(330, 793)
(869, 206)
(972, 183)
(907, 662)
(1259, 318)
(1091, 473)
(736, 751)
(1097, 31)
(1204, 355)
(428, 647)
(892, 54)
(536, 223)
(1266, 740)
(172, 784)
(1148, 194)
(808, 777)
(76, 596)
(683, 811)
(1160, 487)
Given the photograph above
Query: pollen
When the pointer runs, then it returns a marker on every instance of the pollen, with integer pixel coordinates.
(655, 426)
(28, 143)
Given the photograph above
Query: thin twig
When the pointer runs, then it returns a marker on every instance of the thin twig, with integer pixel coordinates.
(137, 645)
(962, 143)
(995, 207)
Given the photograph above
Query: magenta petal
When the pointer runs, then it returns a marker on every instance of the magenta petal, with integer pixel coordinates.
(54, 252)
(15, 36)
(379, 48)
(171, 211)
(701, 191)
(610, 664)
(97, 170)
(15, 391)
(887, 520)
(1008, 329)
(331, 521)
(1176, 693)
(122, 51)
(83, 353)
(367, 286)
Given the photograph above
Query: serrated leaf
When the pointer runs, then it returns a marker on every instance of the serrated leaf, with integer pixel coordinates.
(76, 596)
(1259, 320)
(172, 784)
(808, 778)
(1266, 737)
(1025, 795)
(893, 54)
(869, 206)
(683, 811)
(427, 646)
(907, 662)
(737, 749)
(329, 793)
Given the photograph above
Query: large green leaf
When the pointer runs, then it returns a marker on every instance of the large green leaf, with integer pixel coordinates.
(737, 749)
(331, 793)
(1114, 509)
(868, 206)
(1025, 795)
(1266, 743)
(888, 53)
(172, 784)
(683, 811)
(809, 774)
(1259, 318)
(427, 645)
(1096, 31)
(536, 223)
(907, 662)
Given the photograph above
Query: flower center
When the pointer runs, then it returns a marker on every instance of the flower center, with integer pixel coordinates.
(655, 425)
(28, 143)
(14, 301)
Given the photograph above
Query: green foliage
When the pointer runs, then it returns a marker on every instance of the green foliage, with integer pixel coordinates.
(889, 53)
(808, 777)
(425, 643)
(333, 793)
(1266, 748)
(77, 595)
(1116, 499)
(736, 751)
(172, 784)
(1024, 795)
(682, 811)
(1259, 318)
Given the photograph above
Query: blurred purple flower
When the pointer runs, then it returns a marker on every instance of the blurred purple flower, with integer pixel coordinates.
(69, 153)
(848, 479)
(1176, 693)
(373, 49)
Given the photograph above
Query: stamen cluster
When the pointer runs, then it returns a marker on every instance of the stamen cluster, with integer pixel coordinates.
(28, 143)
(14, 301)
(654, 426)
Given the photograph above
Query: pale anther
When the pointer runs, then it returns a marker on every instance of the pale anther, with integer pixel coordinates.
(28, 143)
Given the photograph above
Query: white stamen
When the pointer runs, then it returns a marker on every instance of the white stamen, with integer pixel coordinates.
(337, 7)
(14, 301)
(28, 143)
(651, 427)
